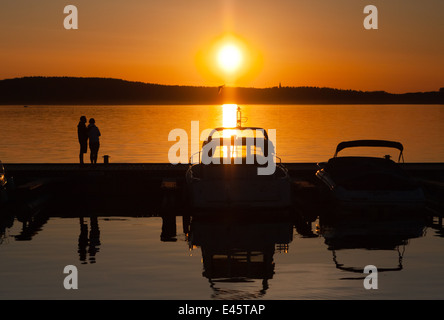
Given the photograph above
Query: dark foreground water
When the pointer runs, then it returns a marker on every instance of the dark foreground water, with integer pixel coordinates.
(275, 256)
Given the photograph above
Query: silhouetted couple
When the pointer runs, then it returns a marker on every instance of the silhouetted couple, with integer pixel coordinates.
(91, 133)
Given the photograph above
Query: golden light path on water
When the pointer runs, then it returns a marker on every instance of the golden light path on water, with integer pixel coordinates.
(229, 112)
(229, 119)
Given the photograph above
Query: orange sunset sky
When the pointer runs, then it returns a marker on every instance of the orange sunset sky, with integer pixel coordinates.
(175, 42)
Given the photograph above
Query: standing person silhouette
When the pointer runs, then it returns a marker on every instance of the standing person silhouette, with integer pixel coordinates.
(94, 144)
(82, 133)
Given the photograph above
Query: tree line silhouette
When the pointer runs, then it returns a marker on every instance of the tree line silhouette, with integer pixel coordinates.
(96, 91)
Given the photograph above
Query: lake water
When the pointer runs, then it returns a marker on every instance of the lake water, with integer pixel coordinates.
(138, 254)
(155, 258)
(304, 133)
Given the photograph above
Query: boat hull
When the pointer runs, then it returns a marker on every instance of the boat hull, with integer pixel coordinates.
(240, 193)
(233, 187)
(411, 198)
(408, 198)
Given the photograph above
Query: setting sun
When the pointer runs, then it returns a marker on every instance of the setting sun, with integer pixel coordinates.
(229, 58)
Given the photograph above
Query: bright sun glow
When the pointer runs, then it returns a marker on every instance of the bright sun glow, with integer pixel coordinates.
(229, 57)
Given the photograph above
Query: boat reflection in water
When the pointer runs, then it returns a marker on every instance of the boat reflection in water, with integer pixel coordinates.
(367, 236)
(236, 254)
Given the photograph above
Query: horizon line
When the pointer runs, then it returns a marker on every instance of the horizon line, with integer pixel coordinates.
(279, 86)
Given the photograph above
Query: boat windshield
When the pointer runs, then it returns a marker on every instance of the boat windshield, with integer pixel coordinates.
(247, 132)
(248, 145)
(238, 151)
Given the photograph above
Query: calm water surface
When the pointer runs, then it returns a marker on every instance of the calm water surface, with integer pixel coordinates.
(121, 254)
(124, 257)
(305, 133)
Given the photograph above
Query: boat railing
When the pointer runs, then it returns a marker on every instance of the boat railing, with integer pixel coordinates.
(371, 143)
(199, 161)
(192, 156)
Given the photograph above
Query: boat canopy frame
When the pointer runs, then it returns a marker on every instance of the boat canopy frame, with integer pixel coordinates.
(213, 131)
(371, 143)
(253, 141)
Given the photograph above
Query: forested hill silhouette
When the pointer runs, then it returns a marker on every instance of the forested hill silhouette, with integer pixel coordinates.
(70, 90)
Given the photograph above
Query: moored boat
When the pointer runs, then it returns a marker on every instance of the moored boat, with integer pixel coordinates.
(237, 167)
(369, 180)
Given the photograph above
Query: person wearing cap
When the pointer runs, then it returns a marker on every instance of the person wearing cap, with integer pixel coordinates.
(82, 133)
(94, 143)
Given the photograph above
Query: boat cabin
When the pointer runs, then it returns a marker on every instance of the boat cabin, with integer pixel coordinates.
(238, 145)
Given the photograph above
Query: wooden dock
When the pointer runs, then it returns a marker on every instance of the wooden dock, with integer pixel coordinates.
(149, 182)
(152, 172)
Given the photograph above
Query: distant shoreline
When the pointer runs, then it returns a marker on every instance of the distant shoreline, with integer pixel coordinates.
(107, 91)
